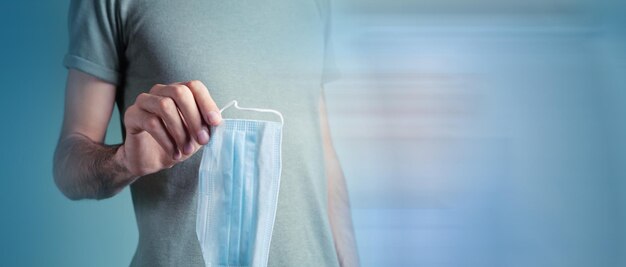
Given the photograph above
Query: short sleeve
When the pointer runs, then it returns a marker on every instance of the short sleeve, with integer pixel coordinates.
(330, 72)
(95, 41)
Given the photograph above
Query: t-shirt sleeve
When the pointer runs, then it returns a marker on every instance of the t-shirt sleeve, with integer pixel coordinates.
(95, 39)
(331, 71)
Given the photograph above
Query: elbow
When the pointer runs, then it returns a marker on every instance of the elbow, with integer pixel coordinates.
(78, 183)
(62, 185)
(104, 194)
(74, 182)
(71, 196)
(60, 177)
(73, 190)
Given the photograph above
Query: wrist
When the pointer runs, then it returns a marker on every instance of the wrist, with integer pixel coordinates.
(120, 161)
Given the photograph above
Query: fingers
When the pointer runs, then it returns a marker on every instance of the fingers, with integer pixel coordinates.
(208, 108)
(183, 111)
(176, 116)
(138, 120)
(165, 108)
(187, 106)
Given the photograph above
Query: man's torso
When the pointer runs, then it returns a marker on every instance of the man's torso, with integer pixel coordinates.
(267, 54)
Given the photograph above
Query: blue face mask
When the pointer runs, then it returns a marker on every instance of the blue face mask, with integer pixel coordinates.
(238, 190)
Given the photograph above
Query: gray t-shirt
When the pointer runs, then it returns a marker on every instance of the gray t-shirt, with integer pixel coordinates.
(268, 53)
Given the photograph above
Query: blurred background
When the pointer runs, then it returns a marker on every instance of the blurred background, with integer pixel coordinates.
(471, 133)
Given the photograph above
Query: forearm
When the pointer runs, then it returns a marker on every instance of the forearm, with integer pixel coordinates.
(340, 216)
(87, 169)
(338, 200)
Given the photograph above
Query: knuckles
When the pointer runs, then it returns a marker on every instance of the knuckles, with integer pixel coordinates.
(129, 112)
(152, 123)
(195, 84)
(166, 103)
(141, 97)
(155, 87)
(179, 91)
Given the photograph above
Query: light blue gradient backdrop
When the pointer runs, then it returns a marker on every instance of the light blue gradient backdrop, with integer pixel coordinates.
(471, 133)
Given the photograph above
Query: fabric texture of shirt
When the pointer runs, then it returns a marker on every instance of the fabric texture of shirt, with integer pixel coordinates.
(270, 54)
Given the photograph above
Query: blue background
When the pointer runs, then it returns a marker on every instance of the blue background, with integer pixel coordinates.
(471, 133)
(39, 226)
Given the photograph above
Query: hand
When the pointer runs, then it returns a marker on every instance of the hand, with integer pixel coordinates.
(167, 126)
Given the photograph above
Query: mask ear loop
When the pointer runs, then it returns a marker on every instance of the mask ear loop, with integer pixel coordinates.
(236, 105)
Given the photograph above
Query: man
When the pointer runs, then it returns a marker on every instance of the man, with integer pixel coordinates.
(168, 65)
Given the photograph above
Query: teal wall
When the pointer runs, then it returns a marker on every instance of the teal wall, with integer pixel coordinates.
(38, 225)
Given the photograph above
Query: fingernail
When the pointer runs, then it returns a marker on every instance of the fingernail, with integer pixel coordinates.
(177, 155)
(214, 117)
(188, 149)
(203, 135)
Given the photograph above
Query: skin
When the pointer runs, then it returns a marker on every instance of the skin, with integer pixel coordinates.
(84, 167)
(338, 200)
(165, 126)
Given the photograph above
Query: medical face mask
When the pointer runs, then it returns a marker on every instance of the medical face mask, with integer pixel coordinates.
(238, 190)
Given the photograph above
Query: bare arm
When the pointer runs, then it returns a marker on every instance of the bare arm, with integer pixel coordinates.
(338, 200)
(84, 167)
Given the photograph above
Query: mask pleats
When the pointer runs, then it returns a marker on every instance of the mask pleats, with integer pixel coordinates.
(237, 193)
